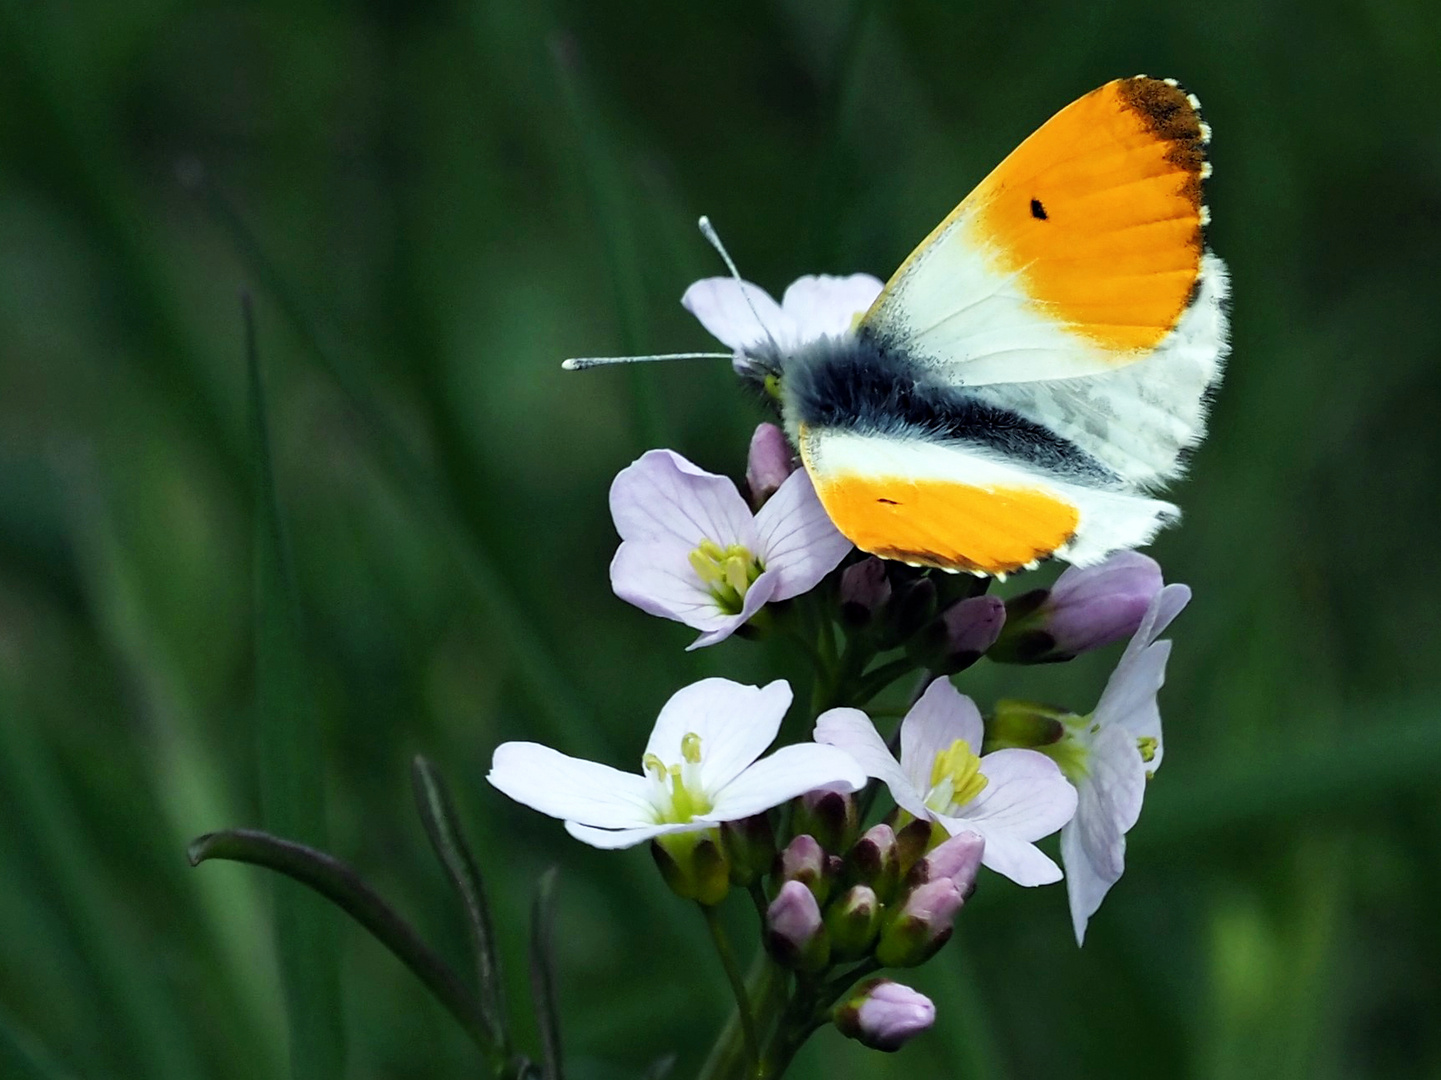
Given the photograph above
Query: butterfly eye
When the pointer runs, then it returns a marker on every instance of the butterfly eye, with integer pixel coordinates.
(773, 386)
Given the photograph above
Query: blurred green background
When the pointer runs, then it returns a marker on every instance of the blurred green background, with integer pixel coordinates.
(433, 203)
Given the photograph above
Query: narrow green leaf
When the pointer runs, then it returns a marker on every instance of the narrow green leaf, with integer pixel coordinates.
(437, 812)
(342, 886)
(292, 782)
(65, 869)
(542, 975)
(21, 1058)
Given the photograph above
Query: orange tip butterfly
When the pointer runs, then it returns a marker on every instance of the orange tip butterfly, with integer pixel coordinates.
(1032, 373)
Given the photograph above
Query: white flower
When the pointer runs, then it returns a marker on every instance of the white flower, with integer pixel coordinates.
(1110, 755)
(1011, 798)
(699, 769)
(692, 551)
(814, 306)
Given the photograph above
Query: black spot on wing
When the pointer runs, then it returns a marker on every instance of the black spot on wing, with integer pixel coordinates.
(1037, 210)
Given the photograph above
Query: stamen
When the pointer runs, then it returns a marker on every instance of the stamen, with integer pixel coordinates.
(956, 778)
(690, 748)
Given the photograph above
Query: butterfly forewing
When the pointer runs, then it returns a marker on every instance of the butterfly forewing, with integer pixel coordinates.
(1079, 254)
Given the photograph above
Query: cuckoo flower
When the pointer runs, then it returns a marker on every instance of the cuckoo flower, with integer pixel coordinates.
(699, 769)
(692, 551)
(1109, 756)
(1010, 798)
(813, 307)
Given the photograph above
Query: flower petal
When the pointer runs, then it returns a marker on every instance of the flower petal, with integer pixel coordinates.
(1109, 801)
(1026, 795)
(796, 539)
(663, 497)
(735, 723)
(1007, 854)
(613, 839)
(761, 591)
(721, 307)
(567, 787)
(789, 772)
(822, 305)
(938, 718)
(852, 731)
(650, 575)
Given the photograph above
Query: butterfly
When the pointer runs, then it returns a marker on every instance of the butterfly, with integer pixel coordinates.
(1033, 373)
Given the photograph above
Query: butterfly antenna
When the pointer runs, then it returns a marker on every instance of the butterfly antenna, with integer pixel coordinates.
(708, 231)
(580, 363)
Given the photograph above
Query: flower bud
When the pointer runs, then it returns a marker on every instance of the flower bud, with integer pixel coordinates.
(873, 860)
(961, 635)
(884, 1015)
(1025, 725)
(1085, 609)
(694, 865)
(804, 860)
(750, 847)
(829, 816)
(958, 859)
(795, 933)
(914, 607)
(865, 590)
(912, 841)
(913, 934)
(853, 921)
(769, 463)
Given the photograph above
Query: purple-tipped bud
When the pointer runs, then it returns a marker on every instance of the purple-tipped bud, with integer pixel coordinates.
(958, 859)
(829, 816)
(884, 1015)
(873, 860)
(804, 860)
(795, 933)
(970, 627)
(694, 865)
(750, 846)
(913, 934)
(865, 590)
(853, 921)
(1085, 609)
(769, 463)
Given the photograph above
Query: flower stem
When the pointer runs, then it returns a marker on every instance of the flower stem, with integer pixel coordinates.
(738, 985)
(766, 989)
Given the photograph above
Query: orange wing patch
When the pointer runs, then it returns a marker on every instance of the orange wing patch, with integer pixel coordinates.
(1099, 212)
(948, 525)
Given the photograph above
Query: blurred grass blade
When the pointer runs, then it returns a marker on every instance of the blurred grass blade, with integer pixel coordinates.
(660, 1068)
(22, 1059)
(544, 677)
(609, 198)
(292, 782)
(542, 974)
(342, 886)
(437, 812)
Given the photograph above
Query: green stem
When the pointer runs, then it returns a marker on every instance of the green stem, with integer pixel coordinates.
(873, 682)
(738, 985)
(766, 987)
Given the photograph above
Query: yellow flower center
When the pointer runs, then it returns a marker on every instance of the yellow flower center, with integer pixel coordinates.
(681, 797)
(727, 572)
(955, 778)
